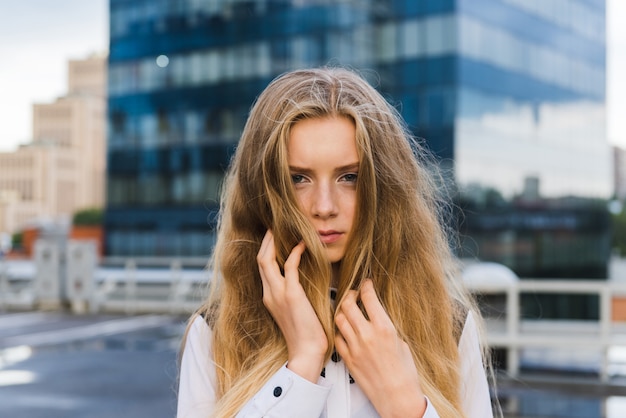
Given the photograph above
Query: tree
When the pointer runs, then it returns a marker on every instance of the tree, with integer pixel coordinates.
(17, 239)
(88, 217)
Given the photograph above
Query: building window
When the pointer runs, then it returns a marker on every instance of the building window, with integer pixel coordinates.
(386, 50)
(118, 121)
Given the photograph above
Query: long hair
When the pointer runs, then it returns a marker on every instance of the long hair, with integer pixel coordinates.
(400, 241)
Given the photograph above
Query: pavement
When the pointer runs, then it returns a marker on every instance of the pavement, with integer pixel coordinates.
(55, 364)
(561, 395)
(60, 365)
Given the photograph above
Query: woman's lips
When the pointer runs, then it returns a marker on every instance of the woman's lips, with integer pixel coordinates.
(328, 237)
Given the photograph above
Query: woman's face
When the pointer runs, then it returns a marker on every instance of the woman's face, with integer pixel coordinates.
(324, 166)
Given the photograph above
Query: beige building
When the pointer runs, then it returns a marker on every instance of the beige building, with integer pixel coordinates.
(63, 169)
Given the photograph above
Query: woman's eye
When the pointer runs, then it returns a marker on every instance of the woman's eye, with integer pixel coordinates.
(297, 178)
(351, 177)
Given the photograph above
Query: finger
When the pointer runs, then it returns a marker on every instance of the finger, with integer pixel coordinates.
(267, 246)
(375, 310)
(260, 258)
(266, 259)
(345, 328)
(293, 262)
(352, 312)
(341, 346)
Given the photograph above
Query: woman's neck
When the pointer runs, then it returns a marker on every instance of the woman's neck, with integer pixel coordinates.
(334, 274)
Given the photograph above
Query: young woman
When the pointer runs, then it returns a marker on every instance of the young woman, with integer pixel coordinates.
(333, 292)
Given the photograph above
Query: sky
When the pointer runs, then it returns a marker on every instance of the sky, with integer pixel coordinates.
(38, 37)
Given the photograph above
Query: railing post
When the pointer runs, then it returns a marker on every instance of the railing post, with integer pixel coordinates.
(4, 286)
(130, 286)
(176, 285)
(512, 319)
(48, 286)
(81, 266)
(605, 328)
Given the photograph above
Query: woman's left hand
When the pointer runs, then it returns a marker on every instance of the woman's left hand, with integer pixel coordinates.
(379, 361)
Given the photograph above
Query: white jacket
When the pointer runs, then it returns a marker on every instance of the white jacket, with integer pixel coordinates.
(335, 395)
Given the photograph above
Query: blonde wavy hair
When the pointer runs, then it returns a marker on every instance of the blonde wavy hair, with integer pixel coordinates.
(400, 241)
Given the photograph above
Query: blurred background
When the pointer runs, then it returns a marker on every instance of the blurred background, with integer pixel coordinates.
(120, 116)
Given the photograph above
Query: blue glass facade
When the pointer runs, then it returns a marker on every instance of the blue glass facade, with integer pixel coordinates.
(531, 158)
(508, 93)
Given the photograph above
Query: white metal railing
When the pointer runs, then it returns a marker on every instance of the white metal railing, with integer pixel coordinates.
(179, 285)
(146, 284)
(17, 288)
(129, 285)
(514, 333)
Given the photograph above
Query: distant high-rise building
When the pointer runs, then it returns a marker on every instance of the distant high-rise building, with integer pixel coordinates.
(63, 169)
(619, 173)
(85, 77)
(509, 94)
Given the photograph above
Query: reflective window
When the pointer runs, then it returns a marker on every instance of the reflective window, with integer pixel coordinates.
(121, 191)
(413, 39)
(363, 45)
(306, 51)
(562, 144)
(440, 35)
(440, 106)
(196, 67)
(387, 42)
(193, 127)
(493, 45)
(148, 243)
(521, 117)
(338, 47)
(571, 14)
(149, 128)
(263, 65)
(181, 70)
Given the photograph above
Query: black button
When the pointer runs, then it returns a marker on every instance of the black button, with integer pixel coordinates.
(278, 391)
(323, 374)
(351, 378)
(333, 294)
(335, 357)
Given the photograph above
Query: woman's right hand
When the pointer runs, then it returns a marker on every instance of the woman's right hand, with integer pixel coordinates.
(286, 301)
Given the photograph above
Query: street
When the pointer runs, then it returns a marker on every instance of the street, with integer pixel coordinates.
(59, 365)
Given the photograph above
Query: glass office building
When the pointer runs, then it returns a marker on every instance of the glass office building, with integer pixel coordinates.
(509, 94)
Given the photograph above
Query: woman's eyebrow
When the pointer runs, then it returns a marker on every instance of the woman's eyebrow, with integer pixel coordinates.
(299, 169)
(348, 167)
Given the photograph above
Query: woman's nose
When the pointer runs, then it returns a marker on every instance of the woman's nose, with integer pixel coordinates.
(324, 204)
